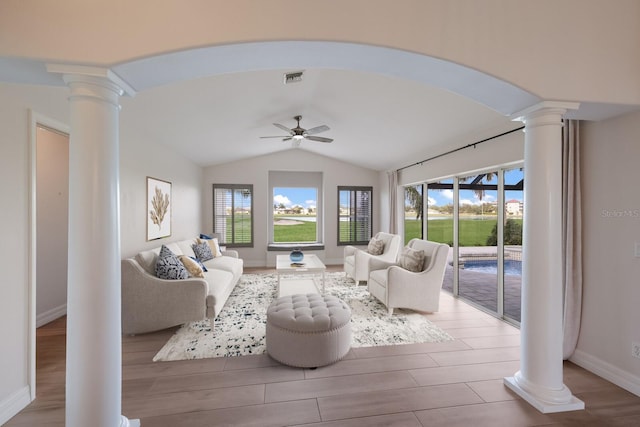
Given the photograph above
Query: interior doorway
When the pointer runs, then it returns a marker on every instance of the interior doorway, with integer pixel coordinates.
(52, 217)
(48, 230)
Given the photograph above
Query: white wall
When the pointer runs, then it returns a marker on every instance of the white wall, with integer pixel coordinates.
(14, 229)
(52, 207)
(256, 171)
(506, 39)
(141, 157)
(499, 151)
(611, 226)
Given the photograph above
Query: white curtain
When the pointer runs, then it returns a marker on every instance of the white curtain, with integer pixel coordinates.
(571, 236)
(393, 201)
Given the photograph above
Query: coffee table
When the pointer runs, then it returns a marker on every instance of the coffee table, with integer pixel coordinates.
(297, 280)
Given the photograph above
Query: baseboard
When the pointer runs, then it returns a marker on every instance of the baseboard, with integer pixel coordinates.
(51, 315)
(13, 404)
(619, 377)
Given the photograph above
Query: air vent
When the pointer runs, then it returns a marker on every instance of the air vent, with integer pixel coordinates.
(293, 77)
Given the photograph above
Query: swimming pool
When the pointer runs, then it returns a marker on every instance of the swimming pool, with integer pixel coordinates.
(511, 267)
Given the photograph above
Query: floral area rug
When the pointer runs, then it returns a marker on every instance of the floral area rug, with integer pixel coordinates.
(240, 327)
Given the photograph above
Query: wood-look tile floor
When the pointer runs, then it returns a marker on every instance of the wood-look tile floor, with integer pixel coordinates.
(456, 383)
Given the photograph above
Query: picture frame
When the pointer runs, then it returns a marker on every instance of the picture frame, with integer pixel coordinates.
(159, 207)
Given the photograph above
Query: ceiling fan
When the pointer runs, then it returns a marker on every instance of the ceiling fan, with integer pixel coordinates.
(297, 134)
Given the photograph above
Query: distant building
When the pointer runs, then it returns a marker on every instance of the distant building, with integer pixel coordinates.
(514, 207)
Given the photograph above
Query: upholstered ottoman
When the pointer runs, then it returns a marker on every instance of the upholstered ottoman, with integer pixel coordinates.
(308, 331)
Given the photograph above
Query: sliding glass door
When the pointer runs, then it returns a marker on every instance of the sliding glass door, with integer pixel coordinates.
(413, 212)
(480, 217)
(512, 241)
(439, 215)
(477, 239)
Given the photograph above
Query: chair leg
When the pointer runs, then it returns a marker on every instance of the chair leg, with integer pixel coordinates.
(212, 322)
(390, 311)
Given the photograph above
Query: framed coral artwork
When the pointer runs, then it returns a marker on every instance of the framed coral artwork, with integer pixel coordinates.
(158, 208)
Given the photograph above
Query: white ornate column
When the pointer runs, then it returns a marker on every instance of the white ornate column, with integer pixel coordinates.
(94, 340)
(539, 380)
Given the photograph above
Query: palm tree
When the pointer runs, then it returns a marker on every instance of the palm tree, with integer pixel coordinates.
(479, 192)
(414, 196)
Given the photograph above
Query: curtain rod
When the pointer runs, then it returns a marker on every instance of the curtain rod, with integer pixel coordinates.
(473, 144)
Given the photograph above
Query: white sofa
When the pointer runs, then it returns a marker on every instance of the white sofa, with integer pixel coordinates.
(150, 303)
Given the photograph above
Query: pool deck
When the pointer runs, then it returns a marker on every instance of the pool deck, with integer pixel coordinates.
(482, 288)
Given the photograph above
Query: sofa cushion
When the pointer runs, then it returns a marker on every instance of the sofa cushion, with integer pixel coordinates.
(375, 247)
(192, 266)
(168, 266)
(226, 263)
(411, 259)
(202, 251)
(147, 260)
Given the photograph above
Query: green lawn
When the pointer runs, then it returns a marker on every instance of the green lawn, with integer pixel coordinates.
(299, 233)
(473, 232)
(241, 228)
(305, 232)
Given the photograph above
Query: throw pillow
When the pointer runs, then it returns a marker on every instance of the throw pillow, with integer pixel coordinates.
(412, 259)
(202, 251)
(376, 246)
(199, 263)
(192, 266)
(213, 244)
(168, 266)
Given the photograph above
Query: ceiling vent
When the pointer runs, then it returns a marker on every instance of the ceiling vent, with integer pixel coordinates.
(294, 77)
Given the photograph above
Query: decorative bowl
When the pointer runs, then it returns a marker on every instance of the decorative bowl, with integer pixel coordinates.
(296, 255)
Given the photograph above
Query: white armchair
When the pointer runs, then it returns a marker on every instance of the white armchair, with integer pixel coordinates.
(356, 261)
(397, 287)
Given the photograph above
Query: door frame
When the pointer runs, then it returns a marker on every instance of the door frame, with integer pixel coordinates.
(35, 119)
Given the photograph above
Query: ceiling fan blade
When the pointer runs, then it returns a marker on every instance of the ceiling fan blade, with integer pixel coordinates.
(284, 128)
(281, 136)
(317, 129)
(288, 138)
(319, 139)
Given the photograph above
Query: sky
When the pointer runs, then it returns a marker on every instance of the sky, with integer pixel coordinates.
(305, 197)
(445, 197)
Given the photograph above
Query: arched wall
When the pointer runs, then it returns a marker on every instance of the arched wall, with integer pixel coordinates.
(555, 50)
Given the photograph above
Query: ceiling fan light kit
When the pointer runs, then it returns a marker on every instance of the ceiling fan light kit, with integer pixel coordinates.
(297, 134)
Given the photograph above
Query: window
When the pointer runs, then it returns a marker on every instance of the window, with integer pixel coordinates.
(440, 211)
(294, 215)
(354, 215)
(295, 212)
(233, 214)
(413, 212)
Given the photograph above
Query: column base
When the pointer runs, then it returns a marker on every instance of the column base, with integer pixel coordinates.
(125, 422)
(572, 403)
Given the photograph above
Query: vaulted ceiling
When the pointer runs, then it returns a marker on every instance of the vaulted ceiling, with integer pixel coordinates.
(385, 108)
(376, 121)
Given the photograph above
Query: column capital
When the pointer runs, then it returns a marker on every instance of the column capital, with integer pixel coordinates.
(89, 75)
(544, 108)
